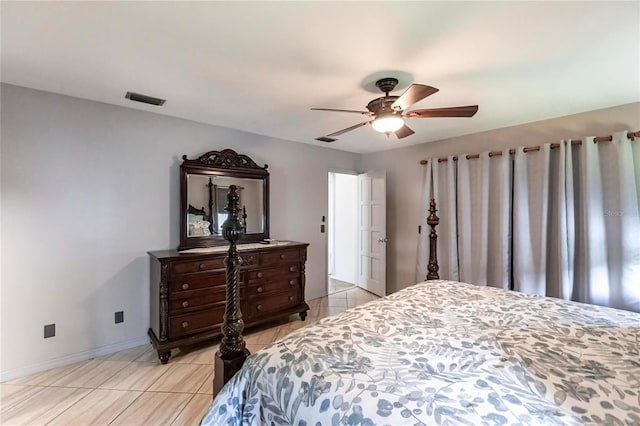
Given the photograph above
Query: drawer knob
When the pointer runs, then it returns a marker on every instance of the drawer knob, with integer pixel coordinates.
(282, 256)
(258, 307)
(292, 268)
(292, 282)
(259, 275)
(290, 298)
(259, 289)
(185, 324)
(185, 286)
(185, 304)
(202, 266)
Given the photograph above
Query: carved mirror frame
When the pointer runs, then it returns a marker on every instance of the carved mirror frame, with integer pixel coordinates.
(227, 163)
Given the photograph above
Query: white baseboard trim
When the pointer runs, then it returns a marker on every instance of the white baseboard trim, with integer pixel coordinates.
(70, 359)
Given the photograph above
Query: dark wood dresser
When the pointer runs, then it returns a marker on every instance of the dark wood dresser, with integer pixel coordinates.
(188, 292)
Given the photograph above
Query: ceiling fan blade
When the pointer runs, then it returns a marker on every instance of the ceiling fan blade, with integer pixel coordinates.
(348, 129)
(403, 132)
(415, 93)
(463, 111)
(341, 110)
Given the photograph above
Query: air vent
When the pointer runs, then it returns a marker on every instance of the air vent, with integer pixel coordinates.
(326, 139)
(144, 99)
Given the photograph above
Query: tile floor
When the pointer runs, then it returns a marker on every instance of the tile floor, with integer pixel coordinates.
(337, 285)
(131, 387)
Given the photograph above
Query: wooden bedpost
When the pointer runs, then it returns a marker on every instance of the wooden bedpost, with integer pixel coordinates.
(433, 221)
(213, 224)
(232, 352)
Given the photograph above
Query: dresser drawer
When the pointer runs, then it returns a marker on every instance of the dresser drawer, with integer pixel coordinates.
(185, 283)
(181, 325)
(281, 256)
(189, 267)
(187, 300)
(272, 303)
(265, 275)
(273, 285)
(188, 292)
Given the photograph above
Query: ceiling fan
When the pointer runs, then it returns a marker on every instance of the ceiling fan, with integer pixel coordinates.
(387, 113)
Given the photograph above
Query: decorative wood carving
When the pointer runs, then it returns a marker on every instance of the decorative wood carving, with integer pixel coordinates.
(232, 351)
(213, 209)
(303, 314)
(227, 158)
(244, 219)
(199, 212)
(433, 221)
(164, 304)
(228, 164)
(232, 326)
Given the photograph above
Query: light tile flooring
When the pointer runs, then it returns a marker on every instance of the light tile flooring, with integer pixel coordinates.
(131, 387)
(337, 285)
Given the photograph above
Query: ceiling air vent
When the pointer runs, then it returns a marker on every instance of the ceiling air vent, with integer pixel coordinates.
(326, 139)
(144, 99)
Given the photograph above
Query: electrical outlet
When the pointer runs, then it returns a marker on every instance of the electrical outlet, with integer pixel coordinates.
(119, 317)
(322, 228)
(49, 330)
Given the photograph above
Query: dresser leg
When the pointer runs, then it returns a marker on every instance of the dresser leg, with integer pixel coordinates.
(303, 315)
(164, 356)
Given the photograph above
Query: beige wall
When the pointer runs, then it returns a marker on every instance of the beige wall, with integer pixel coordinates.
(405, 174)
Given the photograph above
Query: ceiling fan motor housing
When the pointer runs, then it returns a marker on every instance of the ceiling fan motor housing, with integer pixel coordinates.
(387, 84)
(382, 106)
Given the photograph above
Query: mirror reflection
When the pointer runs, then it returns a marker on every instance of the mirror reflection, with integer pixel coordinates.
(207, 200)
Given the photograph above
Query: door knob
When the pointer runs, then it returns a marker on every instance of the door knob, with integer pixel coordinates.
(383, 240)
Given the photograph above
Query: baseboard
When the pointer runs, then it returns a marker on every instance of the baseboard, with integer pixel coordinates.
(70, 359)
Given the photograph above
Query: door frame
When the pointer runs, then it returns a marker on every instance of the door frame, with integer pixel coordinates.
(327, 222)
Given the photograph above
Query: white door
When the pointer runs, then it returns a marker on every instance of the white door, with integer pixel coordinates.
(372, 227)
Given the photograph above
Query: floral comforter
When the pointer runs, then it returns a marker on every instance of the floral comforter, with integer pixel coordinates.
(442, 352)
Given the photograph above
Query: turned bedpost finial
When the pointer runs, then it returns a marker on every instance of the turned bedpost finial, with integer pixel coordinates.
(433, 220)
(244, 218)
(211, 186)
(232, 351)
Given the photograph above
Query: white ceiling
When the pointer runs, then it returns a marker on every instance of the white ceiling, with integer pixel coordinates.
(260, 66)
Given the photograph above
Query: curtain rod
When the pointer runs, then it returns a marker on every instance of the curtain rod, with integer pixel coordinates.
(630, 135)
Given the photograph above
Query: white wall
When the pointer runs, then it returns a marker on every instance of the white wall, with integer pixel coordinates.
(405, 174)
(89, 188)
(345, 223)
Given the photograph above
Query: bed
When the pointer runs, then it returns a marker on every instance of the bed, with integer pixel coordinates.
(443, 352)
(198, 222)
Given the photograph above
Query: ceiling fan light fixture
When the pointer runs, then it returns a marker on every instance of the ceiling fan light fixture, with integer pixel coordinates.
(387, 123)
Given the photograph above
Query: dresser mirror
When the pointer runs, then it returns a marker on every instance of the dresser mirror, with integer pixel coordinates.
(204, 185)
